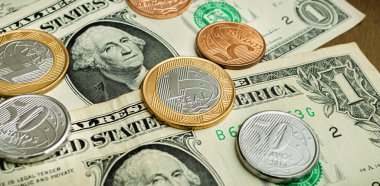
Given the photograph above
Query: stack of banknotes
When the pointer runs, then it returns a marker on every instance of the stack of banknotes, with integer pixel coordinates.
(87, 60)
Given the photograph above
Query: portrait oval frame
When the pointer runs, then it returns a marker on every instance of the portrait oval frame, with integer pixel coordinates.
(137, 30)
(194, 163)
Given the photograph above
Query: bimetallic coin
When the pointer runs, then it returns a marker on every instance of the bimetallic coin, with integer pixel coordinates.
(159, 9)
(277, 146)
(32, 128)
(188, 92)
(31, 61)
(231, 44)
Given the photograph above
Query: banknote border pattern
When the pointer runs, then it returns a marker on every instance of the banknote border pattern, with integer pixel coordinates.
(184, 141)
(124, 16)
(38, 15)
(110, 117)
(289, 45)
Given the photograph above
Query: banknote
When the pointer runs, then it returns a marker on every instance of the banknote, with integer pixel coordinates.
(334, 90)
(10, 6)
(99, 72)
(288, 27)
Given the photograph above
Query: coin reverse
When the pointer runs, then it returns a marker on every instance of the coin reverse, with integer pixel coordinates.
(233, 45)
(31, 61)
(188, 92)
(277, 147)
(32, 128)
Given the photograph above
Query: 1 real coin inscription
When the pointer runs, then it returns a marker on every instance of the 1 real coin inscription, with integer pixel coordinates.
(188, 92)
(231, 44)
(277, 146)
(159, 9)
(31, 61)
(32, 128)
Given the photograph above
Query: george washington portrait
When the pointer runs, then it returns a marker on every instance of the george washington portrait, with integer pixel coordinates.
(159, 165)
(108, 60)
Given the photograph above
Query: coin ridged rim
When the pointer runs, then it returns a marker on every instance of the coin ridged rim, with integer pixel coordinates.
(228, 65)
(189, 121)
(159, 16)
(52, 149)
(52, 78)
(268, 177)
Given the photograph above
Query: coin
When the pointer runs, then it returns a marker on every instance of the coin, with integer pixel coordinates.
(159, 9)
(199, 53)
(231, 44)
(31, 61)
(32, 128)
(188, 92)
(277, 146)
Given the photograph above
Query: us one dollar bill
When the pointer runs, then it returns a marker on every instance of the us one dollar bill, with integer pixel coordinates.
(10, 6)
(335, 90)
(96, 75)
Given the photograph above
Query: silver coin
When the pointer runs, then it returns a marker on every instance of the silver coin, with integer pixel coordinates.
(24, 61)
(188, 90)
(32, 127)
(277, 147)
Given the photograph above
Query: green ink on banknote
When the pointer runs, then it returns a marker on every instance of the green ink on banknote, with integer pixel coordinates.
(302, 114)
(215, 11)
(312, 178)
(232, 131)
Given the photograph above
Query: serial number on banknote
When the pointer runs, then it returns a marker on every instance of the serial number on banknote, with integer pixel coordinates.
(233, 130)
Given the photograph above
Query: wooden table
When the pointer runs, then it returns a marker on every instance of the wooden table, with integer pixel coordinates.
(367, 33)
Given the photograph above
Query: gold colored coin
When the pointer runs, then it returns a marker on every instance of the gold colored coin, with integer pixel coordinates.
(161, 9)
(31, 61)
(188, 92)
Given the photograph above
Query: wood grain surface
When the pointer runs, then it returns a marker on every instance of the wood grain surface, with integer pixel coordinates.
(367, 33)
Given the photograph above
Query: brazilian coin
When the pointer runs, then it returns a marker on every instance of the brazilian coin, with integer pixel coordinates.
(31, 61)
(188, 92)
(233, 45)
(159, 9)
(32, 128)
(277, 147)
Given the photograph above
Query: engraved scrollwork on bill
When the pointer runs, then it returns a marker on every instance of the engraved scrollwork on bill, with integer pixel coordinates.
(318, 14)
(344, 88)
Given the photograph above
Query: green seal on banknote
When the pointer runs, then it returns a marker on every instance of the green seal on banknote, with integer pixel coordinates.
(212, 12)
(312, 178)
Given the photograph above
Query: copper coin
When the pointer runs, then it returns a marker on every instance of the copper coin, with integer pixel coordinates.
(231, 44)
(159, 9)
